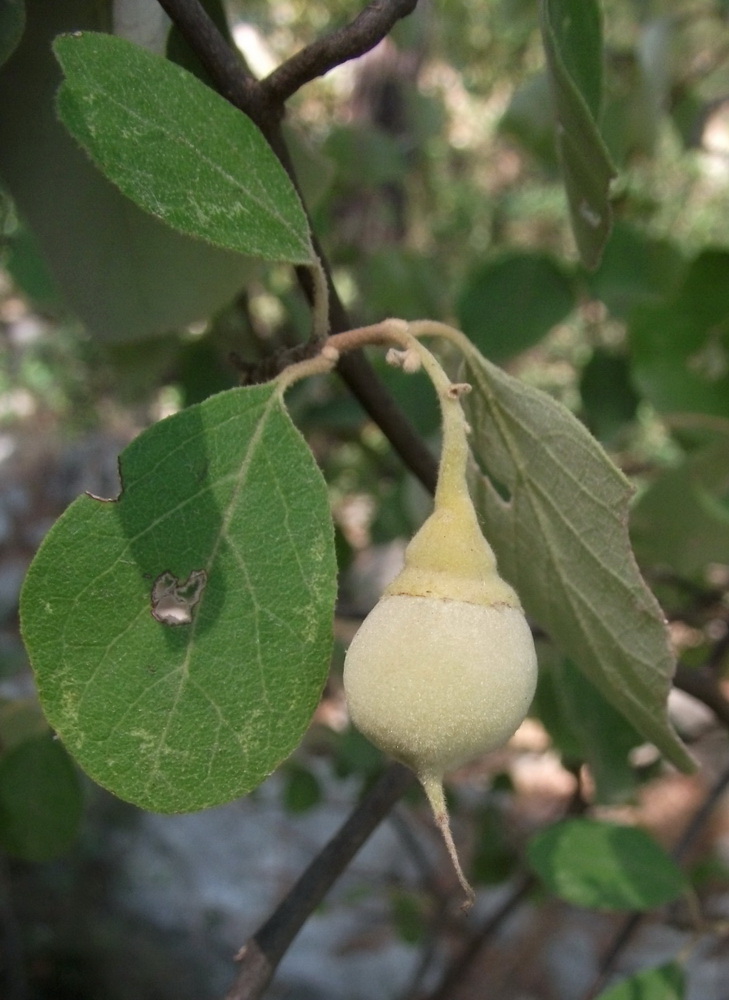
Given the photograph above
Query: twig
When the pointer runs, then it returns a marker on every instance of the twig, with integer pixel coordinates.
(225, 67)
(233, 81)
(465, 961)
(262, 953)
(348, 42)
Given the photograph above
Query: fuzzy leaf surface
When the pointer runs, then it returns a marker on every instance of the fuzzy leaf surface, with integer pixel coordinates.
(178, 149)
(181, 634)
(561, 538)
(572, 36)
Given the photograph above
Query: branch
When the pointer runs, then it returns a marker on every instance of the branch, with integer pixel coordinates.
(233, 81)
(225, 66)
(260, 956)
(349, 42)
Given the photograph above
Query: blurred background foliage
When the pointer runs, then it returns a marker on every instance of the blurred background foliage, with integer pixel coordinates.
(430, 172)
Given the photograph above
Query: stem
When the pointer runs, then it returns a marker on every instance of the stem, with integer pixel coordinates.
(433, 785)
(261, 955)
(341, 45)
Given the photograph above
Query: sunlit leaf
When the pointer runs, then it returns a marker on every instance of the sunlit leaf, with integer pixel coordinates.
(604, 866)
(561, 537)
(181, 635)
(178, 149)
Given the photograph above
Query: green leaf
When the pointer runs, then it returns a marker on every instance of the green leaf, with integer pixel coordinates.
(179, 150)
(124, 273)
(508, 305)
(608, 396)
(181, 635)
(682, 520)
(604, 866)
(680, 348)
(12, 24)
(40, 800)
(561, 538)
(572, 41)
(664, 982)
(635, 269)
(597, 733)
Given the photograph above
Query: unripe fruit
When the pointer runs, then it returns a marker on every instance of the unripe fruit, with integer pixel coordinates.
(443, 668)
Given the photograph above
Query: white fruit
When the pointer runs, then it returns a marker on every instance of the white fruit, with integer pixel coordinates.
(443, 669)
(436, 682)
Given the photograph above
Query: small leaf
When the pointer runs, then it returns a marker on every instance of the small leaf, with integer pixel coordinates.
(682, 520)
(181, 635)
(604, 866)
(508, 305)
(665, 982)
(178, 149)
(40, 800)
(572, 41)
(680, 347)
(12, 23)
(635, 269)
(562, 541)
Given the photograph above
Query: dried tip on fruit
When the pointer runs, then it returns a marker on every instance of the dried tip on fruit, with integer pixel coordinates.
(433, 787)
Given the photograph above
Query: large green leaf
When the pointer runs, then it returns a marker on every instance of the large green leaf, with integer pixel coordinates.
(181, 634)
(604, 866)
(664, 982)
(40, 799)
(12, 23)
(571, 31)
(124, 273)
(508, 305)
(178, 149)
(561, 537)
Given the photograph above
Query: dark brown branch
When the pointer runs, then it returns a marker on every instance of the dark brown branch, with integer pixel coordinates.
(225, 67)
(261, 955)
(353, 40)
(233, 81)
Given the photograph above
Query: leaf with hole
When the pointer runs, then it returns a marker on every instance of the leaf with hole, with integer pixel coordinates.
(561, 537)
(181, 634)
(178, 149)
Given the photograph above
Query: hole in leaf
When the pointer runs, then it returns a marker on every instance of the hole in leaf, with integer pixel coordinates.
(173, 601)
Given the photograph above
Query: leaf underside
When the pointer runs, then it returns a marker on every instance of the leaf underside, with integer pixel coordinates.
(181, 635)
(571, 32)
(561, 538)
